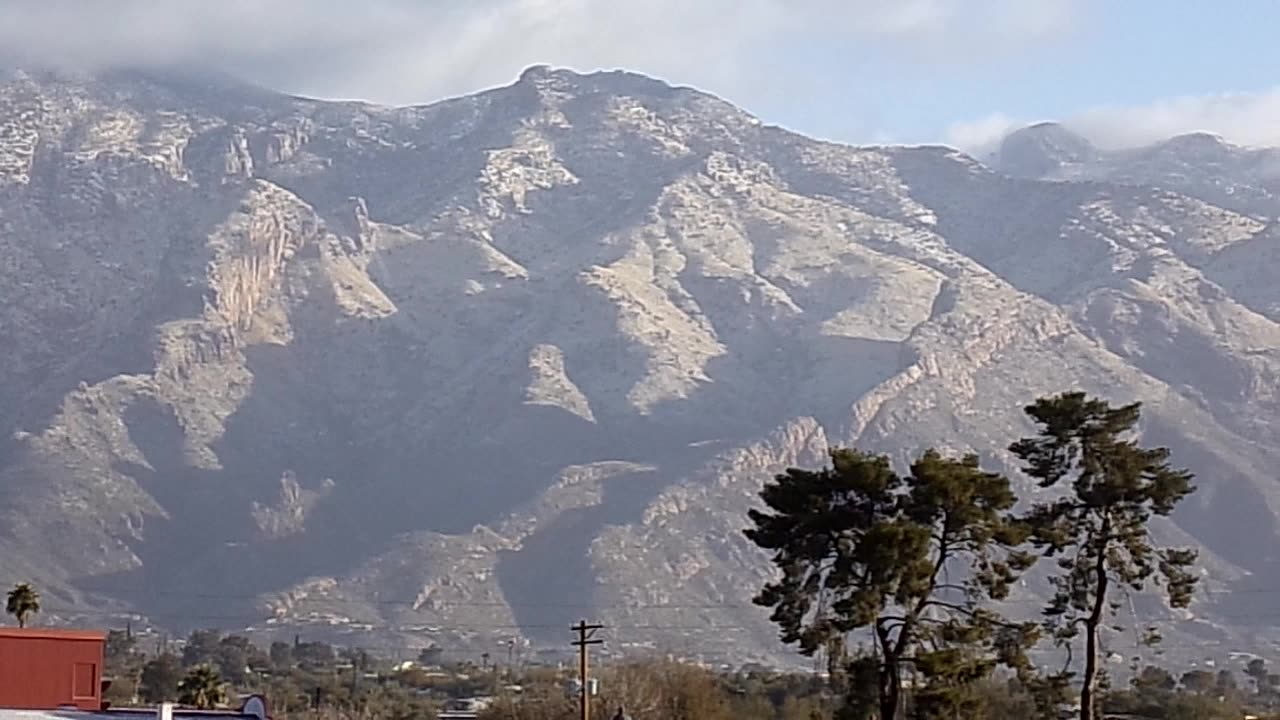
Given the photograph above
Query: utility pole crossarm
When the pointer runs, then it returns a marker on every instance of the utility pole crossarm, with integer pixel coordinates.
(586, 638)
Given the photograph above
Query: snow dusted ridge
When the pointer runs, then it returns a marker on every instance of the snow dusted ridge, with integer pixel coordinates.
(389, 370)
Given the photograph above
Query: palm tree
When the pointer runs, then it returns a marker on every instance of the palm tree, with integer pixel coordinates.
(202, 688)
(23, 601)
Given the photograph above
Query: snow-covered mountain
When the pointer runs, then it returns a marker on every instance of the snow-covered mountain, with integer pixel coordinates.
(476, 369)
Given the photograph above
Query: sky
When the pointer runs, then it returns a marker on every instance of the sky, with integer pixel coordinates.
(961, 72)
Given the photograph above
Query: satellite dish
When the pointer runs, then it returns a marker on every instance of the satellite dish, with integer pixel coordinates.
(255, 705)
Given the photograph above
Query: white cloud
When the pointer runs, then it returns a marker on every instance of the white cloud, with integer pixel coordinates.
(980, 136)
(1241, 118)
(760, 53)
(416, 50)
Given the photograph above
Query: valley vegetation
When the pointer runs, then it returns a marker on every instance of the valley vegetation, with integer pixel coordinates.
(316, 680)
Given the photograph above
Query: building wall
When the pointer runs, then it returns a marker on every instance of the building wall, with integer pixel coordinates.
(44, 669)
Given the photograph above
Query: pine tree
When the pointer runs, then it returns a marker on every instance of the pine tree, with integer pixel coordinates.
(861, 548)
(1099, 529)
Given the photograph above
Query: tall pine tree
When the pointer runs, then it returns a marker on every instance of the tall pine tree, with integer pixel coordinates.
(860, 548)
(1099, 529)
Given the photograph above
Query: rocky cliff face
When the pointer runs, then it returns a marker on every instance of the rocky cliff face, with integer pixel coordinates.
(470, 371)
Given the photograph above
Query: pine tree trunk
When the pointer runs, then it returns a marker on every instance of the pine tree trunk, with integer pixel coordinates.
(890, 691)
(1090, 675)
(1093, 624)
(890, 687)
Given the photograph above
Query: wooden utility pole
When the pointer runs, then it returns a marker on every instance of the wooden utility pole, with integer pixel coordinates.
(585, 639)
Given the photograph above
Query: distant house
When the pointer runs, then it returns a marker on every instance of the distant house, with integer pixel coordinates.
(461, 708)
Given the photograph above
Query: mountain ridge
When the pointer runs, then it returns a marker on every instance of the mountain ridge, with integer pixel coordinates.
(434, 354)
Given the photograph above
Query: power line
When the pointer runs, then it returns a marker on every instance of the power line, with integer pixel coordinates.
(451, 603)
(293, 618)
(436, 628)
(560, 604)
(708, 627)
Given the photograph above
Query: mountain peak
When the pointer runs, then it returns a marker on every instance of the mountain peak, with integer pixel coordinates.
(615, 81)
(533, 73)
(1201, 138)
(1195, 144)
(1039, 149)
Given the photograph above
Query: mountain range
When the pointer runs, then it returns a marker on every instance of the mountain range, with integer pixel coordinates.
(466, 372)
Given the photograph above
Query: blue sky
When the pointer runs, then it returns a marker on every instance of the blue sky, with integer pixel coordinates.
(956, 71)
(1121, 53)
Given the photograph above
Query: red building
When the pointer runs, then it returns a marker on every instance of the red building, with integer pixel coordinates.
(45, 669)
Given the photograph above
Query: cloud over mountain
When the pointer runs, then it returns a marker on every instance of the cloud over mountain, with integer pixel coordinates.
(1243, 118)
(407, 51)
